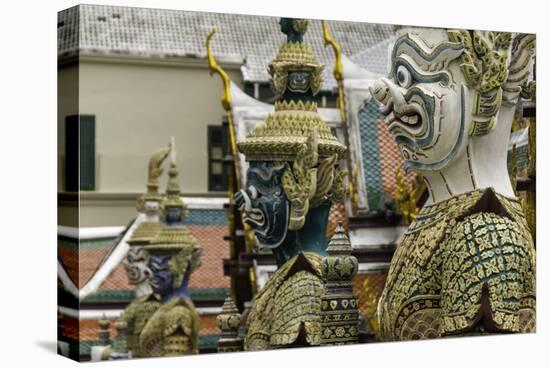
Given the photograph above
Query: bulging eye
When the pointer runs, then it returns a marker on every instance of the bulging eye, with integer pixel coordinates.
(404, 77)
(253, 192)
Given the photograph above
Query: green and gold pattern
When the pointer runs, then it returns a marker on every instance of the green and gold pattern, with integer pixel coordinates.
(466, 265)
(229, 321)
(484, 65)
(293, 178)
(339, 314)
(144, 233)
(136, 316)
(283, 135)
(287, 310)
(172, 330)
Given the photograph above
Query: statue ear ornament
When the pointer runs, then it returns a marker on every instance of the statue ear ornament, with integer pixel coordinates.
(493, 72)
(300, 182)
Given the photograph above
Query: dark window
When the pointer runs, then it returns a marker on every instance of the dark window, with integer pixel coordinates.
(79, 152)
(218, 145)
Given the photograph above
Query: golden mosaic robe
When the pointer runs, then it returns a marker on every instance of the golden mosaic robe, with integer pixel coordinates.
(466, 265)
(136, 316)
(287, 310)
(172, 330)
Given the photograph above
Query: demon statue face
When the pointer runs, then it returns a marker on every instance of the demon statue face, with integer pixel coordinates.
(423, 96)
(279, 195)
(136, 266)
(299, 81)
(264, 205)
(171, 271)
(162, 276)
(173, 215)
(446, 86)
(152, 208)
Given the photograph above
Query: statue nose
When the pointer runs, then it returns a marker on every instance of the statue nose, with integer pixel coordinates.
(380, 91)
(397, 97)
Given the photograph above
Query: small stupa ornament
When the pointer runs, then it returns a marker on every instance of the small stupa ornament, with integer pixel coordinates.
(104, 334)
(229, 321)
(339, 314)
(120, 347)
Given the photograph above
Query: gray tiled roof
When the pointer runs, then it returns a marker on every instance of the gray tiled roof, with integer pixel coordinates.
(177, 33)
(375, 58)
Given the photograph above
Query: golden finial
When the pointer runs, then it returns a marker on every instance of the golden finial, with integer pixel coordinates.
(338, 67)
(173, 191)
(154, 171)
(226, 103)
(215, 68)
(337, 72)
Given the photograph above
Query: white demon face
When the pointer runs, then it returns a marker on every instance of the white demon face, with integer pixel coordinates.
(424, 100)
(151, 206)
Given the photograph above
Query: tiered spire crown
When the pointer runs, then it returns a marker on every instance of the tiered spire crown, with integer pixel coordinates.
(296, 78)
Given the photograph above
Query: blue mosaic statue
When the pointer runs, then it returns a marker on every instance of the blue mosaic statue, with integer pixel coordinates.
(292, 181)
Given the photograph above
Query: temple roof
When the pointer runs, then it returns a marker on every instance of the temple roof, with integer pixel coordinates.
(374, 58)
(162, 33)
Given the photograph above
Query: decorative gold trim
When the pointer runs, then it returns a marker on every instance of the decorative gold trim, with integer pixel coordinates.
(337, 72)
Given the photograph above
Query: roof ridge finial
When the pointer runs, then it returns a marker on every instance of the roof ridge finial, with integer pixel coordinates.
(173, 187)
(155, 169)
(173, 191)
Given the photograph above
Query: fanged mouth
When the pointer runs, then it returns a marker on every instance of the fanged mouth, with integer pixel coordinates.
(254, 216)
(408, 117)
(414, 121)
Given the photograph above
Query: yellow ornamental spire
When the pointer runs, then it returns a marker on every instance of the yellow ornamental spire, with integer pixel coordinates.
(337, 72)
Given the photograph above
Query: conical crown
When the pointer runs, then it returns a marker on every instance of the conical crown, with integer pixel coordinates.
(295, 79)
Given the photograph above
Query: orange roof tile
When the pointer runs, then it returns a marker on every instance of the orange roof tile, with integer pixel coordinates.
(117, 280)
(376, 283)
(209, 325)
(337, 214)
(90, 261)
(82, 259)
(214, 250)
(69, 259)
